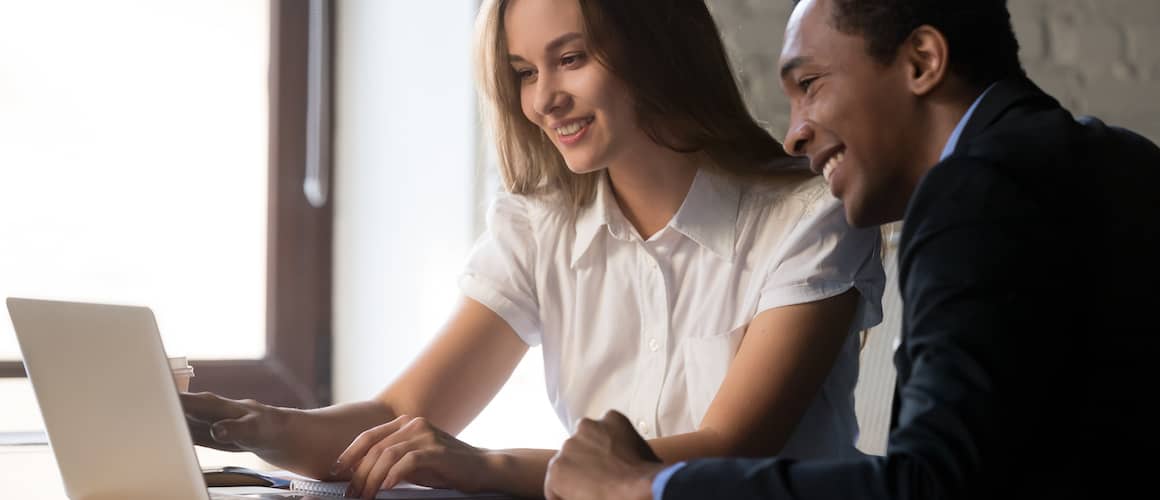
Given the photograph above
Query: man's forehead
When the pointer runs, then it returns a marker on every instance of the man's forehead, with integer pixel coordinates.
(804, 11)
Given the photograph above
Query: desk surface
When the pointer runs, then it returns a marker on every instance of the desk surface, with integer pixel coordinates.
(30, 471)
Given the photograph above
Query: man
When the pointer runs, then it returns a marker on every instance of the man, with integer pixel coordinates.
(1027, 268)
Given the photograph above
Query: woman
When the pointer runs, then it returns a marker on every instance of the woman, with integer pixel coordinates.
(654, 240)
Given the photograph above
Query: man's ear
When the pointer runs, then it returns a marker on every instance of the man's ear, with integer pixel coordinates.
(927, 58)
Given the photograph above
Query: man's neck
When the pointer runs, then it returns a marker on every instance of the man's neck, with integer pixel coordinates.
(946, 115)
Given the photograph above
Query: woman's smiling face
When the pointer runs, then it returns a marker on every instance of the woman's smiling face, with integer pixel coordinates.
(582, 107)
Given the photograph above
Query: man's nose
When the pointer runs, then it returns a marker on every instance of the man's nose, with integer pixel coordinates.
(798, 137)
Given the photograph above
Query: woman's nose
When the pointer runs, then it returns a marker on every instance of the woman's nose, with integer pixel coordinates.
(549, 97)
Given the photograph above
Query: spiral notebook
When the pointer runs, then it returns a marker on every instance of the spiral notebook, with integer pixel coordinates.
(401, 491)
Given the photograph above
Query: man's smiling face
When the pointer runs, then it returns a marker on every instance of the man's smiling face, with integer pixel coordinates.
(854, 117)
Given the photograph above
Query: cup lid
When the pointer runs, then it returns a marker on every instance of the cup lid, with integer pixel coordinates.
(178, 362)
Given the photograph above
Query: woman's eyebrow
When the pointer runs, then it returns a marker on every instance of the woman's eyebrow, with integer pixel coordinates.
(552, 46)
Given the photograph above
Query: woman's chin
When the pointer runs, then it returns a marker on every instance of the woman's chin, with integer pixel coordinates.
(581, 168)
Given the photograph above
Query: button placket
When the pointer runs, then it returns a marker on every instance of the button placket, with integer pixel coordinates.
(654, 337)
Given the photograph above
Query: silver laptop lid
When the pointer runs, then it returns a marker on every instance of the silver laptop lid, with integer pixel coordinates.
(109, 403)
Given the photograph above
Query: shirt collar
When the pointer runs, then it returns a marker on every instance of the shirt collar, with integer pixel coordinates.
(953, 140)
(708, 216)
(594, 217)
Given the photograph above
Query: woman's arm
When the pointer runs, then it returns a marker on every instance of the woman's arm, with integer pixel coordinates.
(460, 372)
(450, 383)
(778, 370)
(786, 355)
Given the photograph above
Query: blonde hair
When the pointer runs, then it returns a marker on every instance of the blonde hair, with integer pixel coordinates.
(675, 66)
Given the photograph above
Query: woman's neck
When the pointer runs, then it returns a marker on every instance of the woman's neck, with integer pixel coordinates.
(651, 185)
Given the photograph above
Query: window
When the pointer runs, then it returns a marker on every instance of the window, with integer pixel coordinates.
(155, 153)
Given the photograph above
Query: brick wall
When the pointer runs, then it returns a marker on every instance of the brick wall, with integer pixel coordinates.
(1098, 57)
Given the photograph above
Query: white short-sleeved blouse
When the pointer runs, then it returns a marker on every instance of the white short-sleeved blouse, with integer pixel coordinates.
(650, 328)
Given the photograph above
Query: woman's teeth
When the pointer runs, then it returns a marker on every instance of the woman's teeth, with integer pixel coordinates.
(572, 128)
(828, 170)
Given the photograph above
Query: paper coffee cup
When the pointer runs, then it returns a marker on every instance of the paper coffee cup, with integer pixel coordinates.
(182, 372)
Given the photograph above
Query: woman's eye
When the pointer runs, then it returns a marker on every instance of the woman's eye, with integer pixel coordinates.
(571, 59)
(524, 74)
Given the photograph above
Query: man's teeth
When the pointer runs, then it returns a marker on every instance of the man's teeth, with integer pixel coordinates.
(828, 170)
(572, 128)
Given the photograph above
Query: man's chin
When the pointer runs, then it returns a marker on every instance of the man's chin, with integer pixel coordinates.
(860, 216)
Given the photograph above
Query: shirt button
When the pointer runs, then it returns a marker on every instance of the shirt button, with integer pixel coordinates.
(642, 426)
(653, 345)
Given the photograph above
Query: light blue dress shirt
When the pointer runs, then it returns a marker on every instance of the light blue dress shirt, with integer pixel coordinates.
(953, 140)
(662, 479)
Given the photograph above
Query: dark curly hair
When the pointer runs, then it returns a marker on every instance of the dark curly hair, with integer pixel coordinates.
(982, 42)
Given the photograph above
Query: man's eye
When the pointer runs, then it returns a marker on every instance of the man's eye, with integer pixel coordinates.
(804, 84)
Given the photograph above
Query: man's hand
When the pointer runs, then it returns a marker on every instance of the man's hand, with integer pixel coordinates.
(606, 458)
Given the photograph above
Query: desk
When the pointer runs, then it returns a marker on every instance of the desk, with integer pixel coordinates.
(29, 472)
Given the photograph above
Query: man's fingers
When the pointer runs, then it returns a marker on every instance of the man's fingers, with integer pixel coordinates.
(552, 477)
(209, 407)
(645, 451)
(617, 420)
(622, 431)
(587, 427)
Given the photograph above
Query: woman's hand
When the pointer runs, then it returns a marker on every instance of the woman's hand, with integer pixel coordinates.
(240, 425)
(411, 449)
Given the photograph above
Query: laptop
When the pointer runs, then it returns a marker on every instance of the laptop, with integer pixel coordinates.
(109, 402)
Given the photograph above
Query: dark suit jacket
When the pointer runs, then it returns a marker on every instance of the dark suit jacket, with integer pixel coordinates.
(1028, 271)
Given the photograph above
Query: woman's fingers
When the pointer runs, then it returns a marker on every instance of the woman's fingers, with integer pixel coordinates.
(412, 450)
(365, 453)
(364, 442)
(218, 422)
(202, 436)
(209, 407)
(245, 431)
(410, 463)
(386, 461)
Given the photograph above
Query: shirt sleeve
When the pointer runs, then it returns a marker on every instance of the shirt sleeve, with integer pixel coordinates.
(662, 480)
(499, 272)
(823, 257)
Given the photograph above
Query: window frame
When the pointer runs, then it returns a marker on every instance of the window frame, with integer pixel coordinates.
(296, 369)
